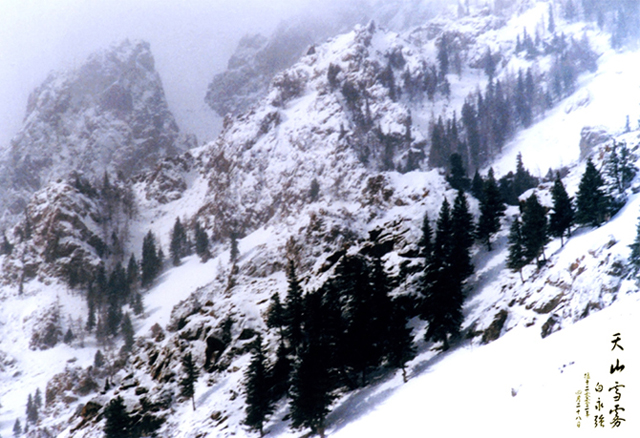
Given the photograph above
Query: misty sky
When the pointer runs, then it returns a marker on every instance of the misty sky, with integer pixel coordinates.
(191, 41)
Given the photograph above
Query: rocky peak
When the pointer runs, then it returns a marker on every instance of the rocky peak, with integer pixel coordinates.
(108, 115)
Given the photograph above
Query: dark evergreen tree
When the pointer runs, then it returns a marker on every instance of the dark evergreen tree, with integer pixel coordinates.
(313, 383)
(492, 208)
(98, 360)
(477, 186)
(234, 251)
(68, 337)
(202, 243)
(151, 262)
(6, 248)
(128, 333)
(91, 317)
(425, 241)
(178, 245)
(399, 347)
(17, 428)
(32, 410)
(619, 171)
(443, 55)
(280, 375)
(314, 190)
(256, 385)
(634, 257)
(293, 309)
(276, 316)
(551, 26)
(138, 307)
(37, 398)
(442, 288)
(462, 233)
(118, 421)
(522, 180)
(592, 203)
(457, 177)
(561, 218)
(189, 378)
(534, 227)
(133, 273)
(517, 258)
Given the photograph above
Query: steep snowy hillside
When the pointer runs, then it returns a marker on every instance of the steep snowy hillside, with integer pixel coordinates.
(336, 165)
(108, 115)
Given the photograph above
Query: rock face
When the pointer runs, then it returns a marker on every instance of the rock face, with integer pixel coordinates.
(109, 115)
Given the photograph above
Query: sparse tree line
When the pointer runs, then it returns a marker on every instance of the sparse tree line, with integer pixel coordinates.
(489, 119)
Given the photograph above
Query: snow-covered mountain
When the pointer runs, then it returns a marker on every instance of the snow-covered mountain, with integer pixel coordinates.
(336, 158)
(108, 115)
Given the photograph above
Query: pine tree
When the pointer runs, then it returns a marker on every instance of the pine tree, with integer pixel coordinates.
(151, 262)
(457, 177)
(256, 385)
(634, 257)
(552, 22)
(517, 258)
(234, 251)
(462, 229)
(280, 375)
(126, 328)
(190, 377)
(399, 347)
(522, 180)
(561, 217)
(442, 287)
(477, 186)
(138, 307)
(32, 410)
(17, 428)
(592, 204)
(619, 171)
(534, 227)
(118, 421)
(276, 317)
(312, 383)
(293, 309)
(68, 337)
(133, 273)
(492, 208)
(202, 243)
(6, 248)
(98, 360)
(91, 317)
(178, 245)
(37, 398)
(425, 241)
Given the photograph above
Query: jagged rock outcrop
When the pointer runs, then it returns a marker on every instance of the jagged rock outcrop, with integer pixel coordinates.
(108, 115)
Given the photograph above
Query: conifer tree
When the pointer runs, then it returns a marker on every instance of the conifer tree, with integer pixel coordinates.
(592, 203)
(98, 360)
(256, 385)
(517, 258)
(202, 243)
(17, 428)
(234, 251)
(561, 217)
(457, 177)
(37, 398)
(442, 287)
(276, 317)
(522, 180)
(133, 273)
(68, 337)
(425, 241)
(91, 317)
(280, 375)
(128, 332)
(178, 245)
(619, 171)
(151, 262)
(293, 309)
(491, 210)
(534, 227)
(118, 424)
(399, 347)
(312, 384)
(32, 410)
(462, 230)
(634, 257)
(190, 376)
(477, 186)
